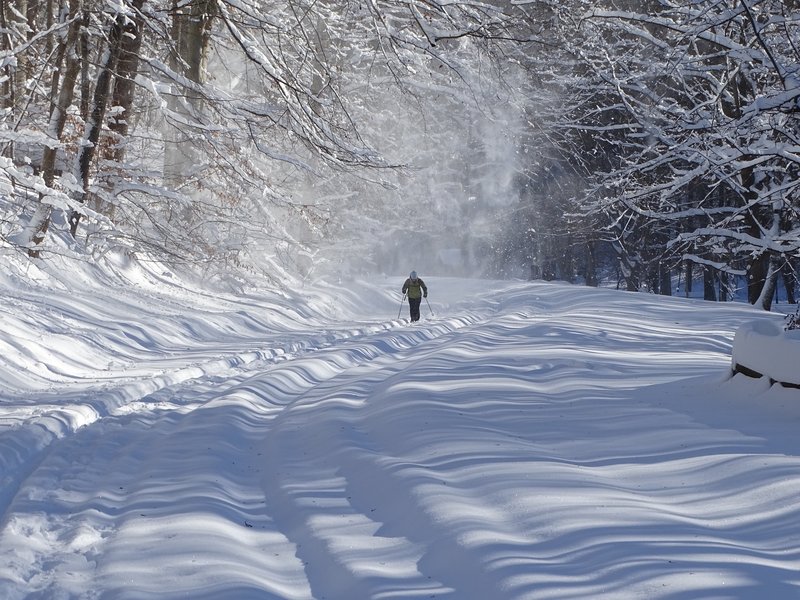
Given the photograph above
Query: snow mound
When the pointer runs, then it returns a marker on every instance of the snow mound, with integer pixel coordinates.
(763, 348)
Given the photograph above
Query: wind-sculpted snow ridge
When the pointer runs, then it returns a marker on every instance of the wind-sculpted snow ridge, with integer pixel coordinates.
(72, 362)
(152, 400)
(538, 441)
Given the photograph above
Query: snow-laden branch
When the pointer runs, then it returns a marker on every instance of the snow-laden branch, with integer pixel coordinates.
(787, 243)
(316, 130)
(701, 31)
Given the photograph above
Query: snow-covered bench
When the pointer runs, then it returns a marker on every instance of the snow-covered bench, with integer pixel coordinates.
(764, 349)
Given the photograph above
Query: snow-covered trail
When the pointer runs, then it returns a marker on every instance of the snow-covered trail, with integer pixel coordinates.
(542, 442)
(91, 370)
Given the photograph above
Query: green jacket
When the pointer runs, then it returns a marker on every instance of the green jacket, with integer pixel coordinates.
(415, 289)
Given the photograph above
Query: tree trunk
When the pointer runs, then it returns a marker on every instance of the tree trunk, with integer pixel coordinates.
(709, 291)
(789, 282)
(770, 282)
(652, 279)
(95, 122)
(665, 287)
(122, 38)
(85, 85)
(61, 96)
(7, 91)
(191, 37)
(549, 270)
(632, 275)
(724, 294)
(14, 74)
(49, 12)
(122, 96)
(757, 272)
(124, 86)
(689, 278)
(591, 264)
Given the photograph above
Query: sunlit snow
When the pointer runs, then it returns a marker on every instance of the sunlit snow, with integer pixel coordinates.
(524, 440)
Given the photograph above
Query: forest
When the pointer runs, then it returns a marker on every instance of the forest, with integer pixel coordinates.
(638, 143)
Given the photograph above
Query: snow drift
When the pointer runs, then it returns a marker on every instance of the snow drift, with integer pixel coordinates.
(531, 441)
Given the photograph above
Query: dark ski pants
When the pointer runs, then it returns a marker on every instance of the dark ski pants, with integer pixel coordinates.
(413, 305)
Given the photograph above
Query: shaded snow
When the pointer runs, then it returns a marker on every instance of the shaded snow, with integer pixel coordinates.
(530, 440)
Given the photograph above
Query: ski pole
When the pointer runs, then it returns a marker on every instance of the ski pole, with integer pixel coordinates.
(429, 306)
(401, 305)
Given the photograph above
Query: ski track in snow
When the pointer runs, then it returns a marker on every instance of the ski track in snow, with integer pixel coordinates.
(38, 440)
(546, 444)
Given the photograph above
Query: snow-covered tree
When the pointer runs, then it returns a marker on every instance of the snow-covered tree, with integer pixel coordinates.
(707, 97)
(209, 129)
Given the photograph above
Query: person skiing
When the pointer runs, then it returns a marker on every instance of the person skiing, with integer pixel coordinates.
(416, 290)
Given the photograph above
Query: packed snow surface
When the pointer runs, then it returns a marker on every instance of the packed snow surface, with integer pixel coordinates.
(525, 440)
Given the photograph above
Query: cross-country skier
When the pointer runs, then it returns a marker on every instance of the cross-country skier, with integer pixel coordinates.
(417, 290)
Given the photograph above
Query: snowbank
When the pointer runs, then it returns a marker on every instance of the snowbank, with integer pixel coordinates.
(762, 348)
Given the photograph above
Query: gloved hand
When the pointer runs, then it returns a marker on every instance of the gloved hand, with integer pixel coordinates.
(424, 295)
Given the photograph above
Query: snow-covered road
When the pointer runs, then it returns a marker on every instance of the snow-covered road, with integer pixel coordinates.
(527, 440)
